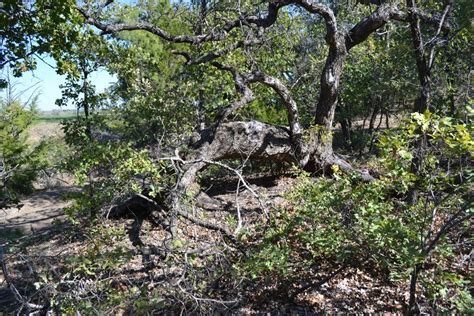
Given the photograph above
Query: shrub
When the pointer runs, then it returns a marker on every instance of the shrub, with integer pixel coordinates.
(19, 164)
(401, 224)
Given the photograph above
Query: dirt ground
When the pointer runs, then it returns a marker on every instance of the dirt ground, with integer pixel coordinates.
(39, 211)
(45, 206)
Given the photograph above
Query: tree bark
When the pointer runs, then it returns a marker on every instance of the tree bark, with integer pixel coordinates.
(330, 83)
(260, 141)
(346, 131)
(373, 117)
(422, 103)
(412, 304)
(239, 140)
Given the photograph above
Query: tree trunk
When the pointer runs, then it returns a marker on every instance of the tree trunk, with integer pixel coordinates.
(422, 103)
(375, 111)
(85, 103)
(258, 141)
(346, 131)
(240, 140)
(330, 83)
(412, 304)
(321, 142)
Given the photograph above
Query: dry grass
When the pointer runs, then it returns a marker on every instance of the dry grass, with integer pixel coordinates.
(44, 130)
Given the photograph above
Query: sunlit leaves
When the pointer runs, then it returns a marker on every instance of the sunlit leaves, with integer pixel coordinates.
(19, 162)
(346, 221)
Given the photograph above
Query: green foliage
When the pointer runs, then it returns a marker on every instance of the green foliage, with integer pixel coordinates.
(442, 148)
(379, 225)
(19, 164)
(103, 252)
(375, 74)
(111, 171)
(52, 24)
(154, 95)
(103, 255)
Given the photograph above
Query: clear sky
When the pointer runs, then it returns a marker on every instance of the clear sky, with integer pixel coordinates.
(46, 84)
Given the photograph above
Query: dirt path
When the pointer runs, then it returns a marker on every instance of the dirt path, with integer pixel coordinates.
(40, 211)
(38, 214)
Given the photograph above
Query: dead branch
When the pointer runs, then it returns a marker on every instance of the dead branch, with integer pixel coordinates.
(196, 220)
(217, 163)
(19, 298)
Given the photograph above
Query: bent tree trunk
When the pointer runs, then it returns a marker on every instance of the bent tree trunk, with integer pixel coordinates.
(330, 83)
(328, 97)
(257, 141)
(261, 141)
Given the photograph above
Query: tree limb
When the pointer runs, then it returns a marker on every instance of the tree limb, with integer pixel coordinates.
(194, 219)
(371, 23)
(214, 55)
(266, 21)
(284, 93)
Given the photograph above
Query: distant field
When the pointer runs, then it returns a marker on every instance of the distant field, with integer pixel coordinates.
(55, 117)
(47, 125)
(45, 130)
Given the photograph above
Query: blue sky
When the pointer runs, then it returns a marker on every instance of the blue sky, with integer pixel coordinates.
(46, 84)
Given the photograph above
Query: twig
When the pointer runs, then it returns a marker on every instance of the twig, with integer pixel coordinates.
(239, 217)
(195, 219)
(236, 172)
(16, 293)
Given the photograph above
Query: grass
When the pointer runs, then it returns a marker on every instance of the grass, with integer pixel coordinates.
(44, 129)
(54, 118)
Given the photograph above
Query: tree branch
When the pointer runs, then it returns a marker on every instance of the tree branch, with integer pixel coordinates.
(324, 11)
(371, 23)
(241, 84)
(214, 55)
(266, 21)
(195, 219)
(292, 109)
(434, 40)
(383, 15)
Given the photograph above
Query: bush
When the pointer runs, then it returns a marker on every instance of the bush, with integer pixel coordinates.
(399, 226)
(19, 164)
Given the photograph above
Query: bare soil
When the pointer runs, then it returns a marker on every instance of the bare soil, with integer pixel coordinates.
(39, 211)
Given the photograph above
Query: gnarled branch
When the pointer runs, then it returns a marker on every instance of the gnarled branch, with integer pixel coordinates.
(266, 21)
